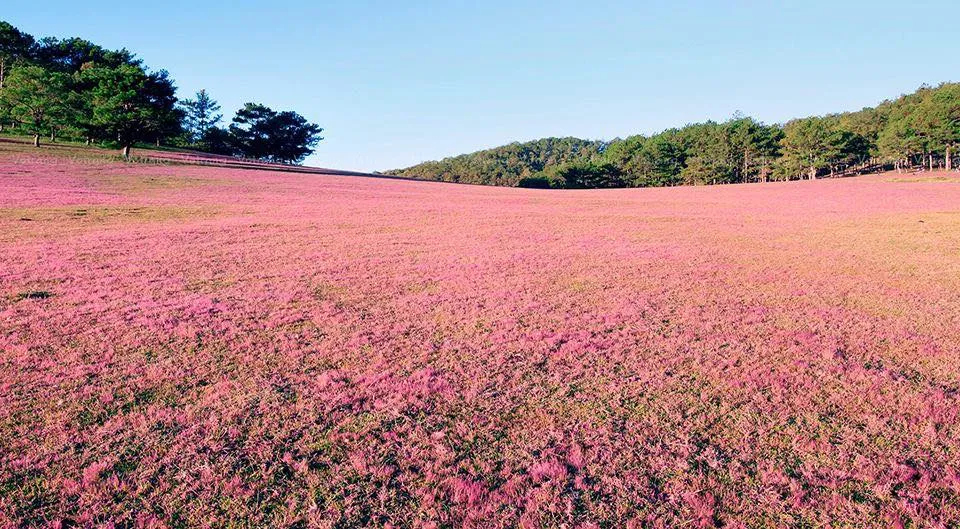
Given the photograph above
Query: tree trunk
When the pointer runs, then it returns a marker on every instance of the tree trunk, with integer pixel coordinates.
(813, 173)
(89, 141)
(36, 140)
(126, 152)
(948, 163)
(158, 142)
(931, 162)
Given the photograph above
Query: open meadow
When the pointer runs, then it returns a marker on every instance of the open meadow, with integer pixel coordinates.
(190, 346)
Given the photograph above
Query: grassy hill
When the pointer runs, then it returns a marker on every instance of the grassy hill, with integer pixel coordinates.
(189, 345)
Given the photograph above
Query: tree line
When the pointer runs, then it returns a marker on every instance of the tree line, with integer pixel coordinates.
(917, 130)
(506, 165)
(77, 90)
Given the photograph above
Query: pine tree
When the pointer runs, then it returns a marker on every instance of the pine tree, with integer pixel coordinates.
(119, 105)
(15, 47)
(284, 137)
(200, 115)
(36, 98)
(809, 145)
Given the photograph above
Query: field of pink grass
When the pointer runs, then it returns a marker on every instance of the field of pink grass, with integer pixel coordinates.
(208, 347)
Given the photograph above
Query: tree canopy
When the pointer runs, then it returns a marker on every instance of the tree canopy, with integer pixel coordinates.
(917, 129)
(84, 91)
(200, 115)
(36, 98)
(284, 137)
(506, 165)
(118, 102)
(15, 46)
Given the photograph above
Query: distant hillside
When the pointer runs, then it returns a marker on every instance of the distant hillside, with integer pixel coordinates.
(506, 165)
(921, 129)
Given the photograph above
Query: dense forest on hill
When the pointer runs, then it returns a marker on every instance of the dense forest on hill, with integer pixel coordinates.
(508, 164)
(921, 129)
(78, 90)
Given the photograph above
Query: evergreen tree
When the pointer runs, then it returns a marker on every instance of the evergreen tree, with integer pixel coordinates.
(581, 174)
(36, 98)
(15, 46)
(284, 137)
(200, 115)
(809, 145)
(899, 140)
(118, 103)
(218, 140)
(69, 55)
(937, 119)
(165, 117)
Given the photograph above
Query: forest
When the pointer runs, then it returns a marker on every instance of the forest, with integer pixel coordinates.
(917, 130)
(73, 89)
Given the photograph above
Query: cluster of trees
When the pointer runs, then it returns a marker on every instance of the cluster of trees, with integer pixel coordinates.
(75, 89)
(921, 129)
(505, 165)
(256, 131)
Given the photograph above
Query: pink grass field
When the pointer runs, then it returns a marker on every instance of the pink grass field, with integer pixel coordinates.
(241, 348)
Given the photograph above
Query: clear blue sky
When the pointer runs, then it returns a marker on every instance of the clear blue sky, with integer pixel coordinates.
(398, 82)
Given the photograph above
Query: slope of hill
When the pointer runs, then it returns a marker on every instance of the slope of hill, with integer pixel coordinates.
(505, 165)
(921, 129)
(20, 147)
(205, 346)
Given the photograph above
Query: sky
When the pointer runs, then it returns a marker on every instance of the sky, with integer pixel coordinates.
(395, 83)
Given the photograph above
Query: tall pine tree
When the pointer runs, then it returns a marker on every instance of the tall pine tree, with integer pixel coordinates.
(200, 115)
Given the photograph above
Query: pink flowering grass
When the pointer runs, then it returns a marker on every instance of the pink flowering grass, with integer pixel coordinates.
(237, 348)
